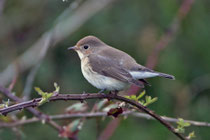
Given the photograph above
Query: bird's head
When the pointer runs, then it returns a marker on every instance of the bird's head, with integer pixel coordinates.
(88, 45)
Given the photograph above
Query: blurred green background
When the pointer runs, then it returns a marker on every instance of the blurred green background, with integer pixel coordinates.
(133, 26)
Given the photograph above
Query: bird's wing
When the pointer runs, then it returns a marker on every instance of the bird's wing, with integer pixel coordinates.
(105, 66)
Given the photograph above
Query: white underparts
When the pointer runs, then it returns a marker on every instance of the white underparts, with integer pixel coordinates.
(100, 81)
(143, 74)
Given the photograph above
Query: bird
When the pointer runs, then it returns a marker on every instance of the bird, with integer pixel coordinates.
(111, 69)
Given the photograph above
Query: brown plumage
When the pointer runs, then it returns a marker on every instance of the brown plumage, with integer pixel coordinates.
(99, 60)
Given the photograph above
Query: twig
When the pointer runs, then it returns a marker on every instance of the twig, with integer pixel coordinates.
(174, 120)
(100, 114)
(81, 97)
(37, 113)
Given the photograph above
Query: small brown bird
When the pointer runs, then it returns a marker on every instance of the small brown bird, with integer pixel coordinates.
(108, 68)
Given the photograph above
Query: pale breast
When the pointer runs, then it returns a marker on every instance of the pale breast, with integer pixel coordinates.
(100, 81)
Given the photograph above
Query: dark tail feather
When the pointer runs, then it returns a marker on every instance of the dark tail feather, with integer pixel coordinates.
(167, 76)
(137, 83)
(145, 82)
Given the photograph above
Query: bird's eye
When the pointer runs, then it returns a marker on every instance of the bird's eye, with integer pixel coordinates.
(86, 47)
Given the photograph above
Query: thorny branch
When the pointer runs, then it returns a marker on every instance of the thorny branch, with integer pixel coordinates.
(38, 114)
(82, 97)
(99, 114)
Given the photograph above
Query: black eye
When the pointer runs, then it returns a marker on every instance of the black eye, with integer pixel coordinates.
(86, 47)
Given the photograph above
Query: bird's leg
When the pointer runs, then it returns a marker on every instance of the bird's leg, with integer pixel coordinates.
(114, 92)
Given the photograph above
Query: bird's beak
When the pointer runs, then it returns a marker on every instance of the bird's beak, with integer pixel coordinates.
(72, 48)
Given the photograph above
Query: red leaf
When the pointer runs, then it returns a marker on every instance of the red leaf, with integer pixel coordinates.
(115, 112)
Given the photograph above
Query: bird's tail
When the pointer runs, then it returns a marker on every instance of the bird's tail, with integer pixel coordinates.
(149, 74)
(168, 76)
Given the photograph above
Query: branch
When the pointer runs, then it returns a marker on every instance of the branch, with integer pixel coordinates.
(37, 113)
(82, 97)
(100, 114)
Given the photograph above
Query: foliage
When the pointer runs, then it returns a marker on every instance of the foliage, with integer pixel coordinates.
(148, 99)
(46, 95)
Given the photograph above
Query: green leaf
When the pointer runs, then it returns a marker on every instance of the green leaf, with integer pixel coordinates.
(39, 91)
(5, 104)
(141, 95)
(133, 97)
(191, 135)
(180, 129)
(149, 100)
(57, 88)
(101, 104)
(182, 123)
(74, 125)
(77, 107)
(45, 95)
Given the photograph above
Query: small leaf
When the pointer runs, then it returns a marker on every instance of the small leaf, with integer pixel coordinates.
(45, 95)
(77, 107)
(38, 90)
(107, 108)
(101, 104)
(2, 106)
(141, 95)
(149, 100)
(182, 123)
(57, 88)
(191, 135)
(71, 130)
(115, 112)
(133, 97)
(142, 102)
(180, 129)
(5, 104)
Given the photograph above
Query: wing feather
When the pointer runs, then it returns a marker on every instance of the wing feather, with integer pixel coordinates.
(107, 67)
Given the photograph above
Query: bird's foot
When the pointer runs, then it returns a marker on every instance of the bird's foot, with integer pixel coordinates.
(114, 92)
